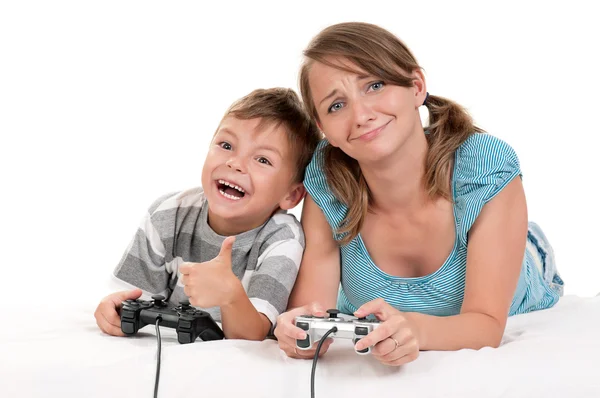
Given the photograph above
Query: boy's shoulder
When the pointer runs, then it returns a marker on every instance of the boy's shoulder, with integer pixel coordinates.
(192, 197)
(282, 226)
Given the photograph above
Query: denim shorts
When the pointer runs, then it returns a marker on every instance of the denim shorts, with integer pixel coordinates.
(541, 249)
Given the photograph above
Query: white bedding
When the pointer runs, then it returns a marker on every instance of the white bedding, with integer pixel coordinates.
(551, 353)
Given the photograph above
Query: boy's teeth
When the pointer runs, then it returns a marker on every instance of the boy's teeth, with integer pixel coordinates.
(228, 195)
(231, 185)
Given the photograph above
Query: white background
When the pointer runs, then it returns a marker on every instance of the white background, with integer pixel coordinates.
(106, 105)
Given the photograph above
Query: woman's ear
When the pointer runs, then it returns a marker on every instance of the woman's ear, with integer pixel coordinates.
(420, 87)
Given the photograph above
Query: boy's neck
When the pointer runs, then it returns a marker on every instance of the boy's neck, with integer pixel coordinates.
(231, 227)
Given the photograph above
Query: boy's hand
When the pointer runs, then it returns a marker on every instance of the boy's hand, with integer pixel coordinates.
(107, 314)
(211, 283)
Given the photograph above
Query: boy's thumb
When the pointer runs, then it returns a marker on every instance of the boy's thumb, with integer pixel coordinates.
(131, 294)
(226, 247)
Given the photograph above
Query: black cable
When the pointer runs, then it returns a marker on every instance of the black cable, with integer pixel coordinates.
(157, 357)
(314, 366)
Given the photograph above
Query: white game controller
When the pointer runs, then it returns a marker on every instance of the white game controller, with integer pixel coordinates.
(316, 327)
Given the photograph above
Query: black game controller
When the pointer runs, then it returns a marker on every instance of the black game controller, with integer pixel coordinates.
(189, 322)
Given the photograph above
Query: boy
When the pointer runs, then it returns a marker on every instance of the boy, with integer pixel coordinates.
(229, 246)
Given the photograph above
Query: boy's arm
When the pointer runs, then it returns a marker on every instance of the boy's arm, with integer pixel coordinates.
(143, 264)
(241, 320)
(248, 307)
(213, 283)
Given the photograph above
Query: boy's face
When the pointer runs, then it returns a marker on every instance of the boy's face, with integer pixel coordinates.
(248, 173)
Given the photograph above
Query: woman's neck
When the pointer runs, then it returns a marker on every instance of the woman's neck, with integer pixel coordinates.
(397, 183)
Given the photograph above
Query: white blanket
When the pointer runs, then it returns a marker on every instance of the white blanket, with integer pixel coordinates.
(551, 353)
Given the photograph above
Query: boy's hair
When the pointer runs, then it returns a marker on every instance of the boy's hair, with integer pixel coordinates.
(281, 106)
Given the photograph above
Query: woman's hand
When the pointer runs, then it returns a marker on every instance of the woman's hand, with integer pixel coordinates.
(287, 332)
(396, 340)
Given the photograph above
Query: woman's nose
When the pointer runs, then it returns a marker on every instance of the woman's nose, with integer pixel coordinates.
(362, 111)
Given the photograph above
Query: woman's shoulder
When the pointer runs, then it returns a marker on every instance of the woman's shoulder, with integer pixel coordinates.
(314, 175)
(484, 165)
(315, 182)
(484, 155)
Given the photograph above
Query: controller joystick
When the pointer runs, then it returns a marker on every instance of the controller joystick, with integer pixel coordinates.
(189, 322)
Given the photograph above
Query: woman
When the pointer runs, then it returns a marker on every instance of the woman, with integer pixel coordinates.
(430, 229)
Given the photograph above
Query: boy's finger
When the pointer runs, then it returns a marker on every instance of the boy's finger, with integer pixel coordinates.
(110, 328)
(110, 314)
(226, 248)
(185, 268)
(119, 297)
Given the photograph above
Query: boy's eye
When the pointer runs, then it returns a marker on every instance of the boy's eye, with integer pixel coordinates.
(264, 160)
(225, 145)
(335, 107)
(376, 86)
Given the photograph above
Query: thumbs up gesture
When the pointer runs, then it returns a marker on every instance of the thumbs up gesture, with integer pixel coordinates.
(211, 283)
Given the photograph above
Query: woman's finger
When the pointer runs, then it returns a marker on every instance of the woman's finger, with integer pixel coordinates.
(378, 307)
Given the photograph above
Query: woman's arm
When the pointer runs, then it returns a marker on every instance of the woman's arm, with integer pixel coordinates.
(319, 275)
(317, 283)
(494, 258)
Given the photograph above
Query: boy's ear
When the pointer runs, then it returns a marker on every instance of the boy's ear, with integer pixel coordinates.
(293, 197)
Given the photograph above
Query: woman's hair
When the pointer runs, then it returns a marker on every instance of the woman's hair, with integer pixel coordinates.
(376, 51)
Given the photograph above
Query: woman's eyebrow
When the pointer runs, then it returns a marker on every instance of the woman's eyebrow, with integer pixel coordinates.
(331, 94)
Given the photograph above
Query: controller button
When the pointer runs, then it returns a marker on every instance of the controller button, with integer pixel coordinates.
(159, 300)
(364, 350)
(333, 313)
(126, 313)
(185, 324)
(127, 327)
(184, 337)
(303, 343)
(361, 330)
(302, 325)
(185, 304)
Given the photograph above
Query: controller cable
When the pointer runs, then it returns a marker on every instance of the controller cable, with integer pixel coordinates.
(157, 357)
(316, 357)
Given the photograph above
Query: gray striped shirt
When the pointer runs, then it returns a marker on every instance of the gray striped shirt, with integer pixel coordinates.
(175, 230)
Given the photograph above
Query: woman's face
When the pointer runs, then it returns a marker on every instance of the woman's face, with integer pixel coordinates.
(362, 115)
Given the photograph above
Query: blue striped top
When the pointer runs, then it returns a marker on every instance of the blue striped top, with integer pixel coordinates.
(483, 166)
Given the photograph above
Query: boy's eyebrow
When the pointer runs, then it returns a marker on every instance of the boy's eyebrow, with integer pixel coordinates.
(263, 147)
(226, 130)
(270, 148)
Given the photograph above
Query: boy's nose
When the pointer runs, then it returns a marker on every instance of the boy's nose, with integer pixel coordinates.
(235, 164)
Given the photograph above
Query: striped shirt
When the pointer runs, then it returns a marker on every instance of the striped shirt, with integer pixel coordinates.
(175, 230)
(483, 166)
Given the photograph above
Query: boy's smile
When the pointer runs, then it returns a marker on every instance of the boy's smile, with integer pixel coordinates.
(248, 174)
(231, 190)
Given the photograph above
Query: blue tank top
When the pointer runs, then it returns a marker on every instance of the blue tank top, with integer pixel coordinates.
(483, 166)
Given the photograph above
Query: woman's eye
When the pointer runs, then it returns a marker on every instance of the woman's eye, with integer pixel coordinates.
(225, 145)
(335, 107)
(376, 86)
(264, 161)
